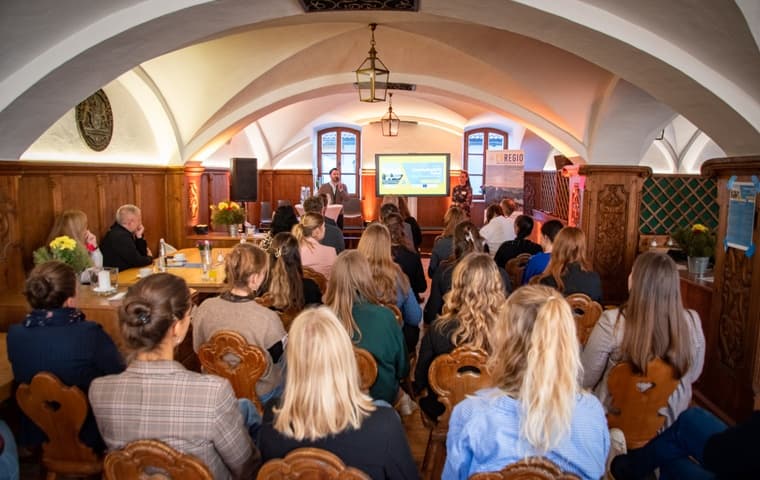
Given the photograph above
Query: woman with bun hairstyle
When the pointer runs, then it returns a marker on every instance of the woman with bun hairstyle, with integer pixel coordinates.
(236, 309)
(323, 406)
(569, 271)
(469, 310)
(352, 295)
(288, 290)
(157, 398)
(512, 248)
(652, 323)
(55, 337)
(536, 406)
(309, 232)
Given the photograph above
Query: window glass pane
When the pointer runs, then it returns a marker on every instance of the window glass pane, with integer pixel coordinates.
(329, 142)
(475, 164)
(328, 161)
(348, 163)
(350, 181)
(348, 142)
(476, 181)
(475, 143)
(495, 141)
(325, 179)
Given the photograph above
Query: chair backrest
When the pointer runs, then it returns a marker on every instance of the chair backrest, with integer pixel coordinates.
(59, 411)
(586, 313)
(352, 207)
(396, 312)
(367, 368)
(283, 203)
(266, 211)
(153, 459)
(318, 278)
(309, 464)
(454, 375)
(635, 407)
(531, 468)
(515, 268)
(228, 355)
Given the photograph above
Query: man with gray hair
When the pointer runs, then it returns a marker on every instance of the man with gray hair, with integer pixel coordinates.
(333, 235)
(124, 246)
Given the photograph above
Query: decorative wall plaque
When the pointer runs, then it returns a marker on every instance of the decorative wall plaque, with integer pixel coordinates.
(337, 5)
(95, 121)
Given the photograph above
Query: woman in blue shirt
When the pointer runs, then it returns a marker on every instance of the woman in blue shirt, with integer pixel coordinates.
(536, 407)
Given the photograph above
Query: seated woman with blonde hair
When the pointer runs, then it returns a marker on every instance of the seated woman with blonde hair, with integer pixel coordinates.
(73, 224)
(569, 271)
(246, 267)
(323, 406)
(309, 232)
(392, 284)
(157, 398)
(470, 308)
(536, 406)
(651, 324)
(352, 295)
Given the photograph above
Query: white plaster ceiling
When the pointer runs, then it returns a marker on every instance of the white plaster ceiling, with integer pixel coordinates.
(593, 78)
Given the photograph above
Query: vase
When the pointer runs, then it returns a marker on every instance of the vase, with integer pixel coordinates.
(697, 265)
(233, 229)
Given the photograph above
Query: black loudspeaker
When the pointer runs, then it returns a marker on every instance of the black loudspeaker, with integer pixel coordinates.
(244, 180)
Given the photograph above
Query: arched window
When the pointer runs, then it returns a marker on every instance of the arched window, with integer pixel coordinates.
(339, 148)
(476, 143)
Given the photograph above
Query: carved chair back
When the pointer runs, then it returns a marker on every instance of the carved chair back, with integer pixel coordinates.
(531, 468)
(367, 368)
(309, 464)
(586, 313)
(515, 268)
(152, 459)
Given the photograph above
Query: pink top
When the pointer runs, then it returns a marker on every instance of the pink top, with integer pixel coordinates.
(317, 256)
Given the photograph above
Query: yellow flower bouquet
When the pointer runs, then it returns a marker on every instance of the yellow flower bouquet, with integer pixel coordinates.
(64, 249)
(227, 213)
(696, 241)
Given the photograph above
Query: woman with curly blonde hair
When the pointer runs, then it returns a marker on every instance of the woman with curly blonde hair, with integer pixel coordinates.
(536, 406)
(477, 293)
(569, 271)
(352, 295)
(323, 406)
(309, 232)
(392, 283)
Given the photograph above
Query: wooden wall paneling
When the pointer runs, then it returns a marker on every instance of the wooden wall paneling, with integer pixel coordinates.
(177, 227)
(153, 199)
(11, 254)
(732, 378)
(286, 185)
(370, 201)
(610, 219)
(266, 190)
(35, 214)
(532, 191)
(101, 219)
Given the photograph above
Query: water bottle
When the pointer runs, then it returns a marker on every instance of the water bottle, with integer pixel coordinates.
(162, 256)
(97, 258)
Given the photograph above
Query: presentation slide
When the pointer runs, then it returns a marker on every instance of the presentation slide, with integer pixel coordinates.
(412, 174)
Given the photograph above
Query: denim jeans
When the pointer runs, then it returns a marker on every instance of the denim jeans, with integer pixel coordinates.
(670, 451)
(251, 417)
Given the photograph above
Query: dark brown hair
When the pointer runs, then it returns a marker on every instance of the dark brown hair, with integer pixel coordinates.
(150, 308)
(50, 284)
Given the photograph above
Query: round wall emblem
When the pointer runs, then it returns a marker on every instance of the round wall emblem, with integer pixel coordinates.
(95, 121)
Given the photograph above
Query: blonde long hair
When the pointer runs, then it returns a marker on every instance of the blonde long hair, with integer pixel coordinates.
(72, 223)
(243, 261)
(285, 290)
(322, 395)
(375, 245)
(476, 295)
(351, 282)
(303, 230)
(536, 360)
(655, 323)
(569, 246)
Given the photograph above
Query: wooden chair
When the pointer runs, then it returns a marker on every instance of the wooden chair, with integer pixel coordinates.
(266, 216)
(152, 459)
(59, 411)
(318, 278)
(367, 368)
(229, 355)
(515, 268)
(286, 317)
(586, 313)
(309, 464)
(452, 376)
(531, 468)
(396, 312)
(633, 411)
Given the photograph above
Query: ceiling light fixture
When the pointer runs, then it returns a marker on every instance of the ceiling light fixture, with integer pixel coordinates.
(372, 75)
(390, 122)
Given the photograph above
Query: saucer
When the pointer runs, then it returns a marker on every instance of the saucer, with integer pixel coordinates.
(104, 291)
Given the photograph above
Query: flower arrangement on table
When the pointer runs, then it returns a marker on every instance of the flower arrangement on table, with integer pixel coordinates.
(227, 213)
(64, 249)
(695, 241)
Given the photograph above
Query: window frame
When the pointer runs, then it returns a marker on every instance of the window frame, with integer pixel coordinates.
(486, 131)
(338, 154)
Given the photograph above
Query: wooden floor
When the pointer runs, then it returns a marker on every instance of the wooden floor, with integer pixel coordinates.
(417, 435)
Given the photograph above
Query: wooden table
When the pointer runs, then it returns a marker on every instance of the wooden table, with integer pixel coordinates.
(192, 274)
(219, 239)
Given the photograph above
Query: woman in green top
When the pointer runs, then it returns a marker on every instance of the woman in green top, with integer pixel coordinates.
(351, 293)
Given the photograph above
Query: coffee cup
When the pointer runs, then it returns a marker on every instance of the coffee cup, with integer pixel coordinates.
(180, 257)
(145, 271)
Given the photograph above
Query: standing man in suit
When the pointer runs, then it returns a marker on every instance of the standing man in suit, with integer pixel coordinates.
(124, 246)
(336, 192)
